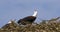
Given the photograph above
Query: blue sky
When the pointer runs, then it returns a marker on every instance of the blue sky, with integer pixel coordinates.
(17, 9)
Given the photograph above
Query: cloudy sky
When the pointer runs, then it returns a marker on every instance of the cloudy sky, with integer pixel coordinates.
(17, 9)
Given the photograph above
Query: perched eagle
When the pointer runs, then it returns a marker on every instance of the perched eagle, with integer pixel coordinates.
(28, 19)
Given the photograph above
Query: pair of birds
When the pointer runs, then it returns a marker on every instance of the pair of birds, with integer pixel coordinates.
(28, 19)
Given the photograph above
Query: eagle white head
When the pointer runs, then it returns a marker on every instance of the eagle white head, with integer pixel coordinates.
(35, 13)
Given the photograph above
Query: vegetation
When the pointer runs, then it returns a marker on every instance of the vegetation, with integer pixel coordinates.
(52, 25)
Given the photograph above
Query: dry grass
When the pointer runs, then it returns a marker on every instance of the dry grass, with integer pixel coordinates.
(44, 26)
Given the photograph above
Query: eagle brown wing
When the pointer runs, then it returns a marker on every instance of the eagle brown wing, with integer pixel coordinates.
(28, 19)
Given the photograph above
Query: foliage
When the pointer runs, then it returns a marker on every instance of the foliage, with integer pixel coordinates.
(52, 25)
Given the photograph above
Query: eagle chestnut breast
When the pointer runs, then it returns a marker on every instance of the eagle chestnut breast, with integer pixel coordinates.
(28, 19)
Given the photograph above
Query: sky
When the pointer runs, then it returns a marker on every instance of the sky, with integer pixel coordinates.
(17, 9)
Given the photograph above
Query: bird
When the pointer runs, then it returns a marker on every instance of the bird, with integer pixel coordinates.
(28, 19)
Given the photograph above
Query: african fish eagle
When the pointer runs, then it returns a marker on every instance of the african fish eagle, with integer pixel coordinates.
(28, 19)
